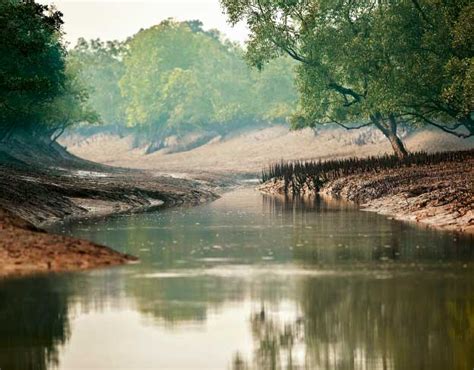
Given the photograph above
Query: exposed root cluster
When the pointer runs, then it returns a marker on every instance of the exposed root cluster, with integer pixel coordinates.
(440, 195)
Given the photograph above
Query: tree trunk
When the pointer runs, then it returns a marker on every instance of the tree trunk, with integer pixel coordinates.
(397, 145)
(389, 129)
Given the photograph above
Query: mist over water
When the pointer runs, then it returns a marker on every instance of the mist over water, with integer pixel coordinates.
(251, 281)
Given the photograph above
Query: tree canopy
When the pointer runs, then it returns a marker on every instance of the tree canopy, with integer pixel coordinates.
(369, 62)
(100, 66)
(364, 63)
(433, 58)
(176, 78)
(39, 93)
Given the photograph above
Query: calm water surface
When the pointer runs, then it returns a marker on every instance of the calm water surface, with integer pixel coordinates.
(251, 282)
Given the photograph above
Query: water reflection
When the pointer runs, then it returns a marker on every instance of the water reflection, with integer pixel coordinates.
(247, 227)
(34, 323)
(361, 323)
(252, 282)
(329, 231)
(175, 300)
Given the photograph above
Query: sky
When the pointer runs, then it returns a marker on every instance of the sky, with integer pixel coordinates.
(116, 20)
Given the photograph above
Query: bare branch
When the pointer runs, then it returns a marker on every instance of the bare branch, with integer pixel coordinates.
(353, 127)
(345, 91)
(449, 129)
(332, 120)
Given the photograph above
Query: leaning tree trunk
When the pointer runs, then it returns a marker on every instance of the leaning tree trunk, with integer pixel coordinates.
(389, 129)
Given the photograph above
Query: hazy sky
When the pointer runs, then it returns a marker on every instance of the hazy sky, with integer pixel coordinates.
(113, 19)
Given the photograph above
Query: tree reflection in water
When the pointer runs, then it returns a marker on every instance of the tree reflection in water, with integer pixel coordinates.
(365, 292)
(179, 300)
(330, 232)
(360, 323)
(33, 324)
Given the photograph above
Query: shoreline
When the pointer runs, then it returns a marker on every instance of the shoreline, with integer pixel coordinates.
(439, 196)
(27, 250)
(32, 199)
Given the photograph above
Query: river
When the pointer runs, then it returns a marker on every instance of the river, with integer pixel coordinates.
(251, 282)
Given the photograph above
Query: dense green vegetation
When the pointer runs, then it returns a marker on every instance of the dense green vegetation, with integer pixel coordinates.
(369, 62)
(358, 64)
(40, 93)
(176, 78)
(172, 79)
(100, 66)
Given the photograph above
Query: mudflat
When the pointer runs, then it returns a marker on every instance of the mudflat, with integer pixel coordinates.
(25, 249)
(33, 197)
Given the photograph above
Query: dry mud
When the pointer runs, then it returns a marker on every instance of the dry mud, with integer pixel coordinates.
(250, 151)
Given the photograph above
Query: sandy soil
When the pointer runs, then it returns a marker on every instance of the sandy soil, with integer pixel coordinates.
(249, 152)
(440, 196)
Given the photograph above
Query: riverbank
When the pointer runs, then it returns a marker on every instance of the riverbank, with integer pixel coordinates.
(46, 195)
(33, 196)
(439, 195)
(25, 249)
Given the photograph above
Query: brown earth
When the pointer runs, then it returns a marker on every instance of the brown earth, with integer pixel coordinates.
(46, 195)
(33, 195)
(38, 187)
(25, 249)
(250, 151)
(439, 195)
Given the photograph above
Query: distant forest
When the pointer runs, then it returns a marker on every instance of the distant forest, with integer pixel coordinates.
(175, 78)
(349, 63)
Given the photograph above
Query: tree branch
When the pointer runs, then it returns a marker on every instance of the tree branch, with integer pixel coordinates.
(418, 7)
(449, 130)
(332, 120)
(345, 91)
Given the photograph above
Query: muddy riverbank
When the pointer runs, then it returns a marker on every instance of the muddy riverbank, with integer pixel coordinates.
(46, 195)
(440, 195)
(33, 196)
(25, 249)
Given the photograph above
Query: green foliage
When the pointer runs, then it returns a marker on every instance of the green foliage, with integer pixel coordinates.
(274, 89)
(179, 78)
(175, 78)
(31, 64)
(433, 54)
(160, 63)
(100, 66)
(70, 107)
(38, 93)
(369, 62)
(341, 64)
